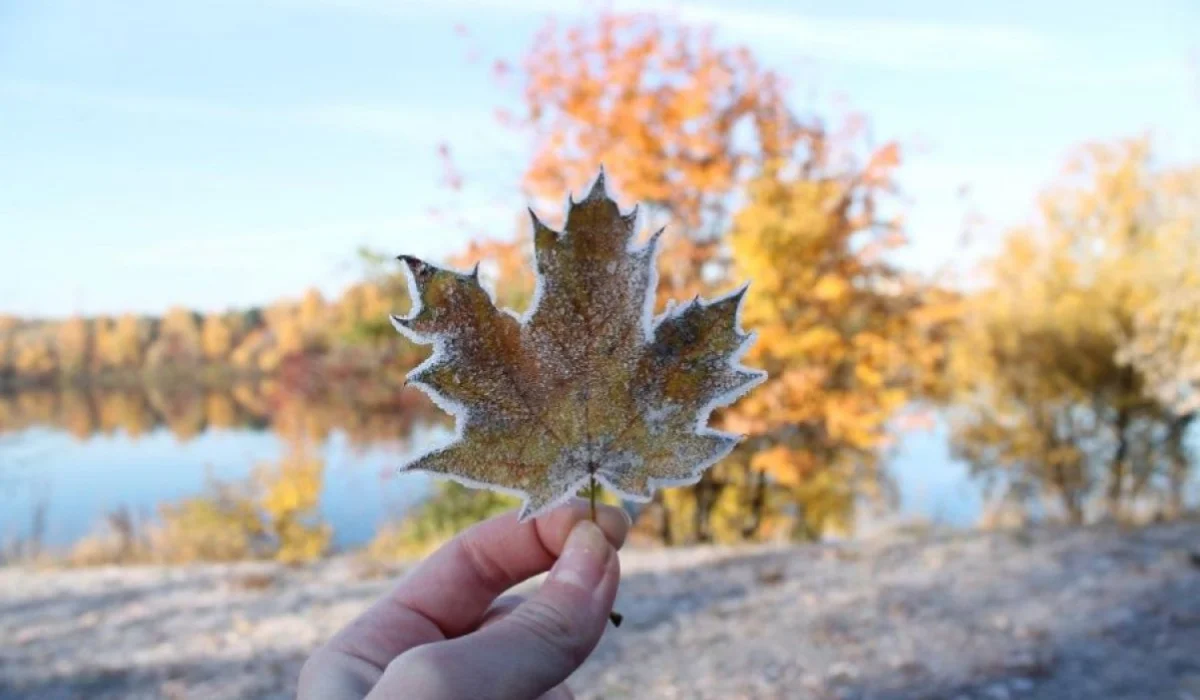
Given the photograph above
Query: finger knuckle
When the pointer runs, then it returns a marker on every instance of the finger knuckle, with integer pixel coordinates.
(423, 655)
(424, 671)
(417, 662)
(552, 628)
(490, 571)
(503, 607)
(511, 602)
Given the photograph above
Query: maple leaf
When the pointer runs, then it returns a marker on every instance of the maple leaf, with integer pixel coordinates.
(587, 383)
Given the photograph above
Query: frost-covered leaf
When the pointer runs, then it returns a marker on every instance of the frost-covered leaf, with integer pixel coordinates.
(587, 383)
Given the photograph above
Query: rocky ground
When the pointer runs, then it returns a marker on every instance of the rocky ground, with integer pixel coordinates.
(1062, 614)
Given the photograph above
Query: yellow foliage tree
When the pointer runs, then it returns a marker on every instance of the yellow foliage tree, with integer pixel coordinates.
(178, 341)
(8, 335)
(291, 492)
(6, 353)
(34, 356)
(73, 343)
(1073, 366)
(216, 338)
(223, 524)
(128, 342)
(272, 514)
(840, 332)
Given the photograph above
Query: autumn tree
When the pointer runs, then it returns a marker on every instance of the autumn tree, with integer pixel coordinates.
(679, 122)
(34, 356)
(842, 333)
(120, 343)
(1075, 363)
(658, 104)
(8, 325)
(181, 323)
(216, 338)
(291, 494)
(1164, 348)
(104, 344)
(73, 342)
(703, 137)
(313, 317)
(360, 316)
(178, 341)
(248, 352)
(284, 335)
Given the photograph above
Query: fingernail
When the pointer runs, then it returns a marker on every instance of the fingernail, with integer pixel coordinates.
(615, 523)
(584, 557)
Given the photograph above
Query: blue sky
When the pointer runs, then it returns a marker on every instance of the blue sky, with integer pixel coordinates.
(227, 153)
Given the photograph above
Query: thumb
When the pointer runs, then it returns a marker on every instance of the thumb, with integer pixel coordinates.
(531, 650)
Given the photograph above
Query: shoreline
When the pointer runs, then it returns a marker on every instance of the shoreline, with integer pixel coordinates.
(1040, 613)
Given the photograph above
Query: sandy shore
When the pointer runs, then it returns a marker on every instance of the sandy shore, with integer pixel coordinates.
(1062, 614)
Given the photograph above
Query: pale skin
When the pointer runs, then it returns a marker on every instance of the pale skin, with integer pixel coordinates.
(444, 631)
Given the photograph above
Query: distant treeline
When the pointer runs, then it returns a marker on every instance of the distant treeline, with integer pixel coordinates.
(338, 335)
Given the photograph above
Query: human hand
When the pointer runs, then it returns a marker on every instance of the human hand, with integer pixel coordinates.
(442, 632)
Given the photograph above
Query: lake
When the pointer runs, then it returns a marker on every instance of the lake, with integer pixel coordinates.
(68, 459)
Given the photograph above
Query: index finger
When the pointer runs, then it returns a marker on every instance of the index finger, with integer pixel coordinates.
(446, 595)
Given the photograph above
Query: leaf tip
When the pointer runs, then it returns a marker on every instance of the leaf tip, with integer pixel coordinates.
(598, 190)
(732, 300)
(418, 268)
(539, 228)
(630, 219)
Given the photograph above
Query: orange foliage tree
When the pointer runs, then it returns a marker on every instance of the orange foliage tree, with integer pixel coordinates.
(703, 138)
(680, 124)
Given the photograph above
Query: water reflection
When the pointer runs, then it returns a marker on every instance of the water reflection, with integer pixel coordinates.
(187, 412)
(71, 459)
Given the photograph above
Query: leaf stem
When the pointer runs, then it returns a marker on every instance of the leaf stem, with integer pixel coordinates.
(592, 495)
(593, 487)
